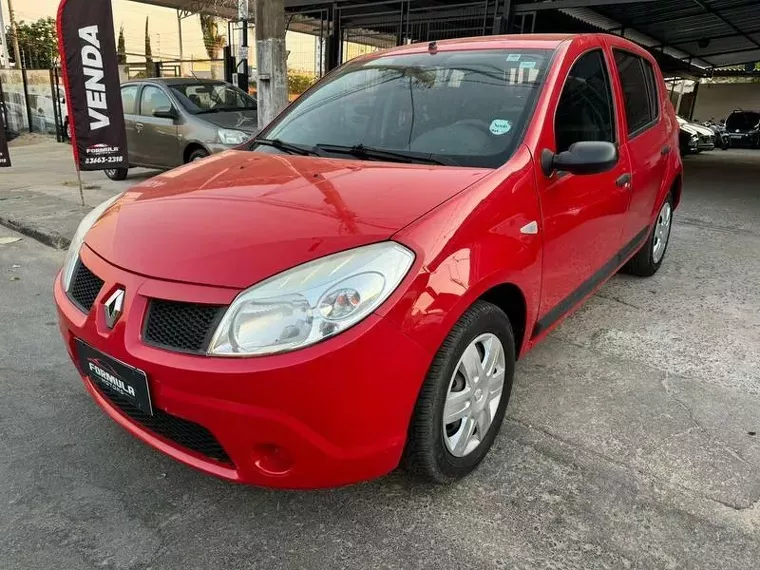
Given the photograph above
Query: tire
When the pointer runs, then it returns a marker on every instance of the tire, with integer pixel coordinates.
(116, 173)
(430, 449)
(67, 129)
(649, 258)
(197, 154)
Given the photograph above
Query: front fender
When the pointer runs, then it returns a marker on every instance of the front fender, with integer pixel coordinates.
(469, 245)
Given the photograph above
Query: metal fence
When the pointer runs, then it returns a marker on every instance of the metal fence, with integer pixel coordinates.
(33, 101)
(367, 27)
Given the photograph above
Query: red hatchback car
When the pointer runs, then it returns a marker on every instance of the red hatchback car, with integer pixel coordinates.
(351, 291)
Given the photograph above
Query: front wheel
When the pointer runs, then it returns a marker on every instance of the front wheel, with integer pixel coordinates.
(197, 154)
(463, 400)
(649, 258)
(116, 173)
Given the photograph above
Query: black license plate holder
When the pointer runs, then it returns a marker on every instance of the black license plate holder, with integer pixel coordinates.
(115, 376)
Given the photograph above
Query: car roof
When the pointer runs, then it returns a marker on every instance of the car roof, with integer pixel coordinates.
(538, 41)
(171, 80)
(509, 41)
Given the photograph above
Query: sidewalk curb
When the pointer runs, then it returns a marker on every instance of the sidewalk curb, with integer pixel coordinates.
(48, 237)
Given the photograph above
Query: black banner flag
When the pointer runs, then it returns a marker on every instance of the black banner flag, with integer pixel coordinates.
(5, 157)
(91, 79)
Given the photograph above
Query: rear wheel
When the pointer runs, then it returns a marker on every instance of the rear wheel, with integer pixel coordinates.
(464, 397)
(648, 259)
(116, 173)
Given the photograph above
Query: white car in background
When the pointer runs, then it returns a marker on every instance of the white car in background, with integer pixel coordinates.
(705, 135)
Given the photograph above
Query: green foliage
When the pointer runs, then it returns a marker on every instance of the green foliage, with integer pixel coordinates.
(121, 48)
(148, 49)
(299, 82)
(38, 43)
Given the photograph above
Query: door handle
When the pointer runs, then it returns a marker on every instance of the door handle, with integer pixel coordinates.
(624, 180)
(665, 150)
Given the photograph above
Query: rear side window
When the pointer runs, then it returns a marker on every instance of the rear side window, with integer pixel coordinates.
(129, 98)
(639, 90)
(584, 111)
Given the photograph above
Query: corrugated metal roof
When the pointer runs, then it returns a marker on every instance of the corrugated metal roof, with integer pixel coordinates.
(705, 32)
(719, 32)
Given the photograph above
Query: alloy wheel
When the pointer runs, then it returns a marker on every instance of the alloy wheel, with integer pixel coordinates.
(661, 232)
(473, 396)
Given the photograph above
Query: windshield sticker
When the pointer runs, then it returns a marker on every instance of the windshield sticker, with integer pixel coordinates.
(500, 127)
(513, 57)
(527, 64)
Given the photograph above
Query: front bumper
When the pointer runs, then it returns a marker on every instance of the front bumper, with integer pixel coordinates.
(744, 139)
(331, 414)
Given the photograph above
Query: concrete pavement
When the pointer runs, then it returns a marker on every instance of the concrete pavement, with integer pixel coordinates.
(39, 195)
(630, 441)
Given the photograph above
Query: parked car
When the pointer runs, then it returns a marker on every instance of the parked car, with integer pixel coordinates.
(705, 135)
(352, 293)
(688, 139)
(743, 128)
(172, 121)
(719, 129)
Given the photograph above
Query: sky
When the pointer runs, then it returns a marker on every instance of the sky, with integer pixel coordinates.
(163, 31)
(163, 26)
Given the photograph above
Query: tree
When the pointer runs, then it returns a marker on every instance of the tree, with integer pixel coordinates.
(148, 50)
(211, 37)
(38, 43)
(121, 49)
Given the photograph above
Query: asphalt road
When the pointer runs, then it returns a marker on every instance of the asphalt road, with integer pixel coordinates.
(627, 445)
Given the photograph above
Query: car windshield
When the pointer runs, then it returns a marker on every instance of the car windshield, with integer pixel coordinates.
(212, 97)
(744, 121)
(452, 107)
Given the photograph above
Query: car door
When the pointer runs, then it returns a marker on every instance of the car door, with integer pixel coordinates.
(583, 215)
(129, 95)
(647, 138)
(157, 136)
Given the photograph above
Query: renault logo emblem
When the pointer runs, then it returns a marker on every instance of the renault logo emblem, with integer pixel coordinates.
(114, 307)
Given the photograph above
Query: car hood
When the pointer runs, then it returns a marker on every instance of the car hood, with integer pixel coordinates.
(702, 130)
(235, 218)
(241, 120)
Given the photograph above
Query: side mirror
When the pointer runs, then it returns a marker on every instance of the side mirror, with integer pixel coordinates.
(585, 157)
(165, 113)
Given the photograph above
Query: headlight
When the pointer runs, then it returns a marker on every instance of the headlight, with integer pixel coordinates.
(231, 136)
(311, 302)
(76, 242)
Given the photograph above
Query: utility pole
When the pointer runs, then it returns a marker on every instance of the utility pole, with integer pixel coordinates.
(241, 75)
(6, 59)
(16, 50)
(271, 59)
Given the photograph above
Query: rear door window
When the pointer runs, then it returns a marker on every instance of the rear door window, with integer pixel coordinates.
(129, 98)
(637, 79)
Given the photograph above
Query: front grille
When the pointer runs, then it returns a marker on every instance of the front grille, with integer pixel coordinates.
(184, 433)
(85, 286)
(183, 327)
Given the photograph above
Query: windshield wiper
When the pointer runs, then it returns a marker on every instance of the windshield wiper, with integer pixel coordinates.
(368, 152)
(290, 148)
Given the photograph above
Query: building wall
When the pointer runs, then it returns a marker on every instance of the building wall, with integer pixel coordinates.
(719, 99)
